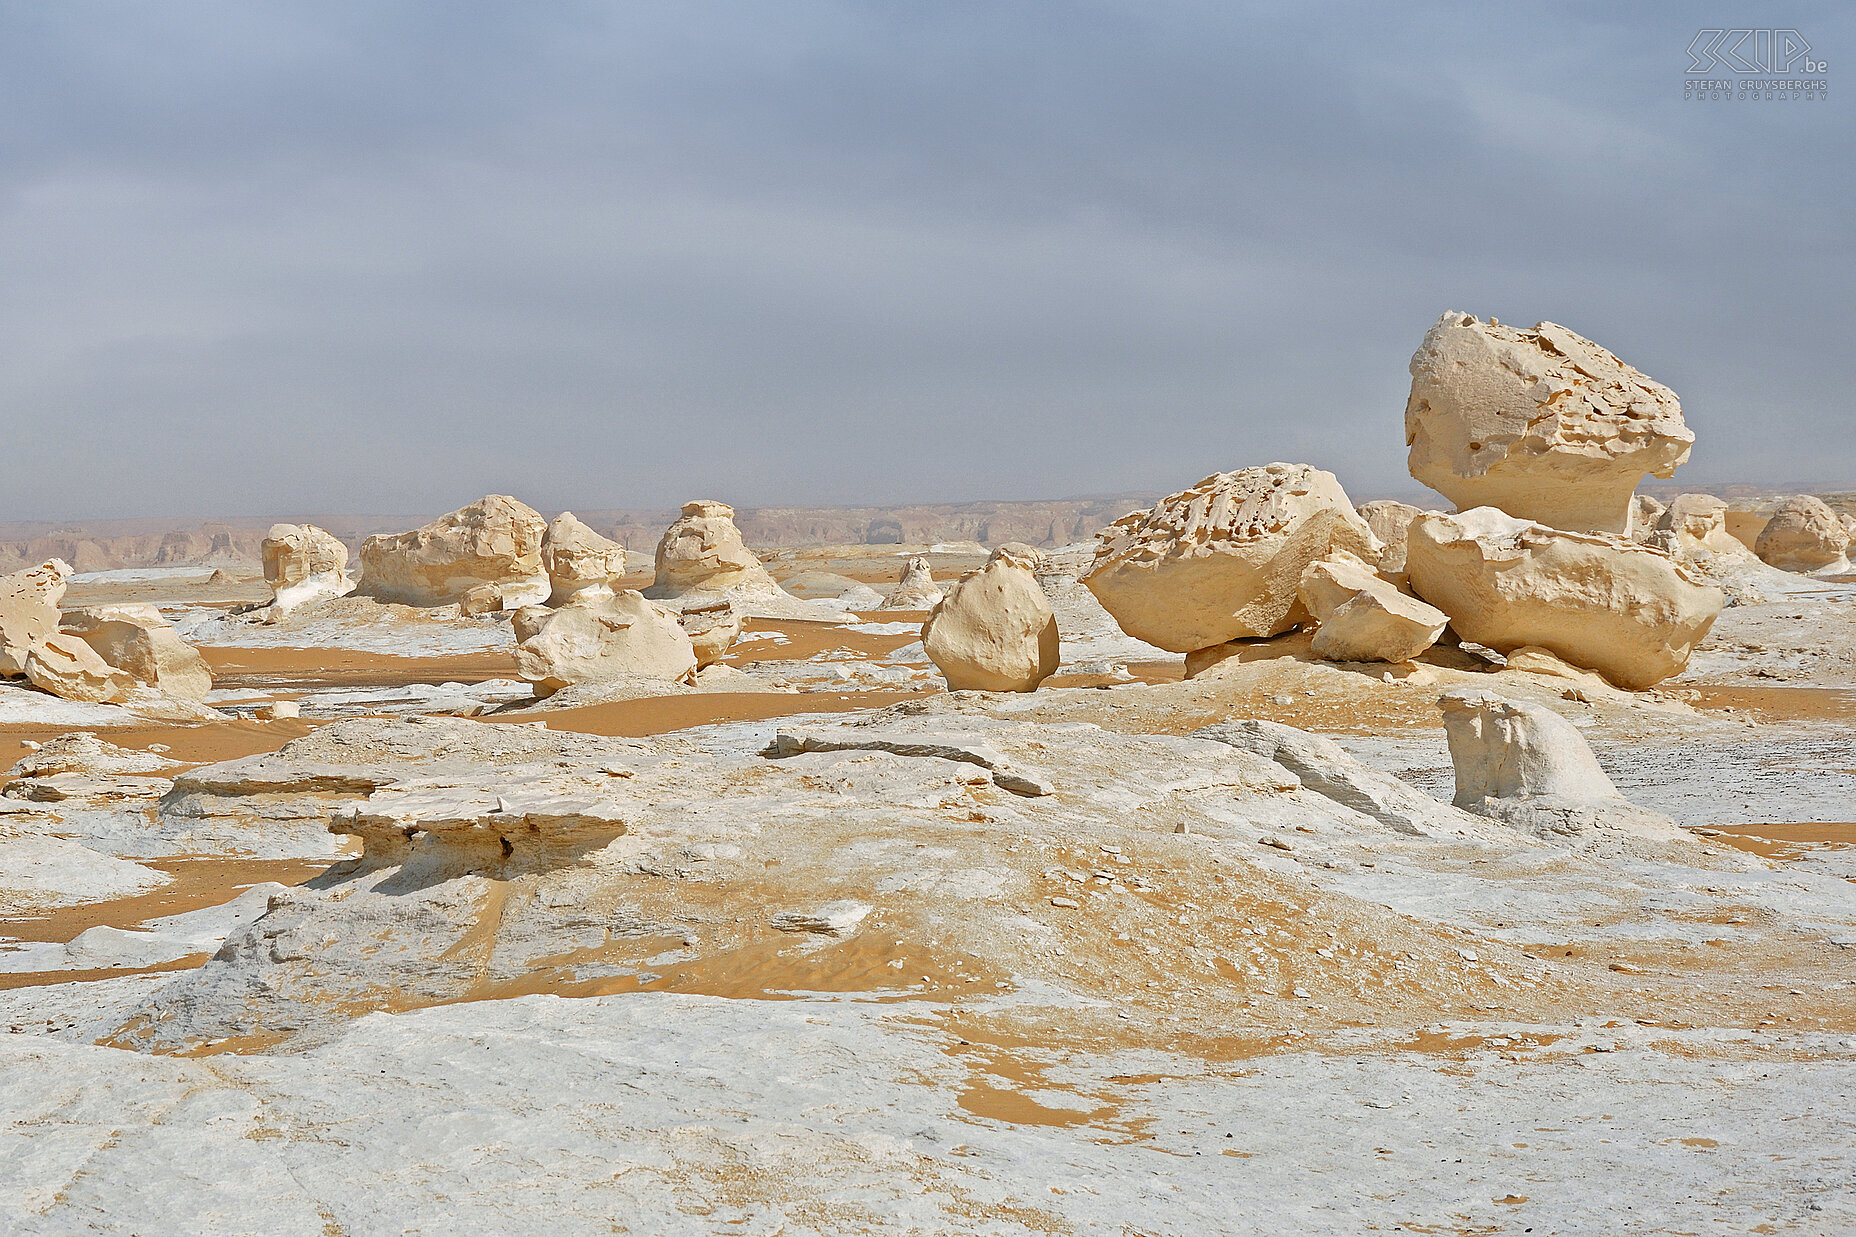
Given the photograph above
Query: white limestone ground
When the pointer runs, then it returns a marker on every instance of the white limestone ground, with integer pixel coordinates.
(676, 1114)
(1074, 1002)
(359, 624)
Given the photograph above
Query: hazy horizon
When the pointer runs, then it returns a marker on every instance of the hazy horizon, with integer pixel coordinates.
(390, 257)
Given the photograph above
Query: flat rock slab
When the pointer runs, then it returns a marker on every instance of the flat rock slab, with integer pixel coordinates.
(966, 751)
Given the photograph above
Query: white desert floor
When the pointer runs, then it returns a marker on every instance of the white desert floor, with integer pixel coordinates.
(434, 958)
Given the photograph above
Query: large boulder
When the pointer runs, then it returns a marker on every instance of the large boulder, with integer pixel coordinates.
(66, 666)
(702, 552)
(1631, 612)
(602, 638)
(303, 563)
(712, 628)
(916, 590)
(1543, 424)
(496, 541)
(1389, 519)
(1525, 765)
(1224, 559)
(579, 562)
(29, 611)
(1364, 617)
(138, 641)
(994, 630)
(1804, 535)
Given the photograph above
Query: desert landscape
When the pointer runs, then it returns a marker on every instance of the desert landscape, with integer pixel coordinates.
(1237, 859)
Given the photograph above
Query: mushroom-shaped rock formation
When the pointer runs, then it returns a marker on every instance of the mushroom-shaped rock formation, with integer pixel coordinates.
(580, 563)
(1543, 424)
(702, 552)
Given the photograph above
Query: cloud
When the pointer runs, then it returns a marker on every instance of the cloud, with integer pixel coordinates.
(272, 258)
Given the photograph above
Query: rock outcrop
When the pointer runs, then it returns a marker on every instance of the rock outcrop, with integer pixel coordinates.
(29, 611)
(702, 552)
(916, 590)
(1524, 764)
(496, 541)
(1364, 617)
(580, 563)
(1804, 535)
(138, 641)
(1698, 523)
(303, 563)
(1628, 611)
(66, 666)
(713, 629)
(603, 638)
(1223, 560)
(1542, 424)
(994, 630)
(1389, 519)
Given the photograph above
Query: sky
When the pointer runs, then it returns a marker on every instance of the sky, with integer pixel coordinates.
(270, 258)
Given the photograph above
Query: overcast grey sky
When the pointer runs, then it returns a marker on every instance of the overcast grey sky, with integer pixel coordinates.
(261, 258)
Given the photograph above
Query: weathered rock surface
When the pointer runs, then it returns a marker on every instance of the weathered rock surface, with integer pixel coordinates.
(994, 630)
(29, 611)
(494, 541)
(1324, 767)
(1389, 519)
(579, 562)
(1699, 523)
(1542, 424)
(1524, 764)
(702, 552)
(1804, 535)
(1223, 560)
(68, 667)
(1363, 616)
(304, 563)
(943, 747)
(137, 640)
(602, 638)
(1630, 612)
(916, 590)
(712, 628)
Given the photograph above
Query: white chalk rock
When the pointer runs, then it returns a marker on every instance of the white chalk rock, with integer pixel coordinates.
(712, 628)
(494, 541)
(916, 590)
(137, 640)
(579, 562)
(66, 666)
(1223, 560)
(303, 563)
(29, 611)
(1628, 611)
(1524, 764)
(994, 630)
(1804, 535)
(1364, 617)
(604, 638)
(1543, 424)
(1389, 521)
(702, 552)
